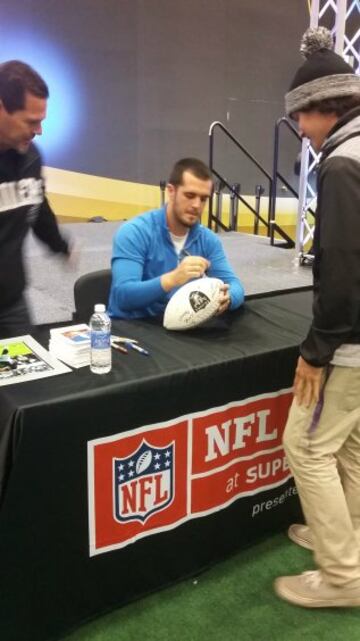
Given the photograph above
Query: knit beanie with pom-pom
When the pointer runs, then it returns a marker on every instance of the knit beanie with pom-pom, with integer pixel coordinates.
(323, 75)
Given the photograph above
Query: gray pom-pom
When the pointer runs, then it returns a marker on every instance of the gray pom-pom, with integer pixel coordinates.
(315, 39)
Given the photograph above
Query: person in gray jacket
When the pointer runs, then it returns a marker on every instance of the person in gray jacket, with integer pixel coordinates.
(322, 435)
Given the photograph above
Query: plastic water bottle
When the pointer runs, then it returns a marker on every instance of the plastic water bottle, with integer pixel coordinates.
(100, 335)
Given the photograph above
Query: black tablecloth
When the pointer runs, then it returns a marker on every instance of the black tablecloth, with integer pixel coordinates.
(48, 581)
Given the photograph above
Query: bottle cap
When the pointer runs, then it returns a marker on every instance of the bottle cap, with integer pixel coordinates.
(100, 307)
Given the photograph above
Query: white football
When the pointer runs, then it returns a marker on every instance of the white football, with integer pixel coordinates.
(143, 461)
(193, 304)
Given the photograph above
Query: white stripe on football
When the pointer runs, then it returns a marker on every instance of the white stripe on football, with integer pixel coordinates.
(193, 304)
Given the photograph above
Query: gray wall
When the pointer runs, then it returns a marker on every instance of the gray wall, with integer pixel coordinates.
(151, 75)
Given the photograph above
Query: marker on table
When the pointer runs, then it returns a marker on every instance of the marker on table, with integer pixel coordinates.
(137, 348)
(123, 339)
(119, 348)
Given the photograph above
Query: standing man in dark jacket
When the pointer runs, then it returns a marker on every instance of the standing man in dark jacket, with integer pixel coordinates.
(322, 436)
(23, 100)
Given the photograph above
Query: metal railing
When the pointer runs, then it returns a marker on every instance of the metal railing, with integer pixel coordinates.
(277, 175)
(271, 226)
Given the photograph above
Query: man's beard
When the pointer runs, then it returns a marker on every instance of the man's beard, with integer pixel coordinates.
(183, 222)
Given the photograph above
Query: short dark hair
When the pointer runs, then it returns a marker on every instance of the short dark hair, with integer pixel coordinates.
(195, 166)
(16, 79)
(340, 106)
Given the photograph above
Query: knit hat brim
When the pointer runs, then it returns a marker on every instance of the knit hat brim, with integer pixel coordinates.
(333, 86)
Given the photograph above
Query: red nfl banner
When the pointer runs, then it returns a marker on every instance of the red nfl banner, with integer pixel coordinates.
(151, 497)
(238, 451)
(153, 478)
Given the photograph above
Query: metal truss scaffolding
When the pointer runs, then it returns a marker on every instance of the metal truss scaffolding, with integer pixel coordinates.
(342, 17)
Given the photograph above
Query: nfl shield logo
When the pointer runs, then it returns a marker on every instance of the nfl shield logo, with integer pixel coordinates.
(143, 482)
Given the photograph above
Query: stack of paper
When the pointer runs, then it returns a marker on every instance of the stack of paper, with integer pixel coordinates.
(71, 344)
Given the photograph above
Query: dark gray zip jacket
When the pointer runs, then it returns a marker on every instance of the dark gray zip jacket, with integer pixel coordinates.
(336, 270)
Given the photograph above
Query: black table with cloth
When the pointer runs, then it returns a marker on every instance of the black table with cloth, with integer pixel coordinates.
(48, 581)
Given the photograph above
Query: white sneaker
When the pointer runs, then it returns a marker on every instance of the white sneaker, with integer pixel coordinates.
(301, 535)
(309, 590)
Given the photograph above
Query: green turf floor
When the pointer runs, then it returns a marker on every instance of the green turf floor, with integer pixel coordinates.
(233, 601)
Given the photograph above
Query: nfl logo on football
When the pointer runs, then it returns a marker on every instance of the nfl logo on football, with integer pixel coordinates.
(143, 482)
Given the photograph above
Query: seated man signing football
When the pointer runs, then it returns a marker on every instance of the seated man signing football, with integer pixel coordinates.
(157, 252)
